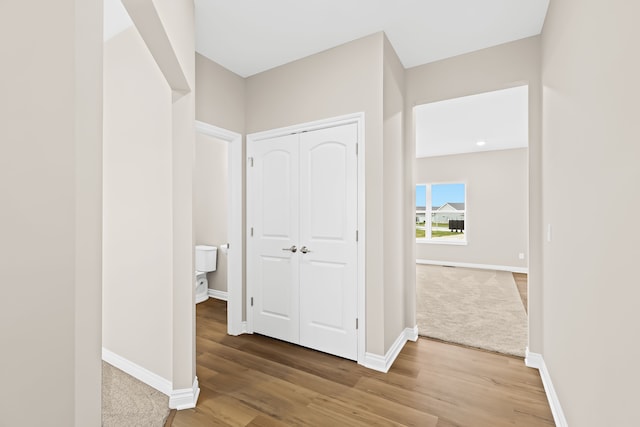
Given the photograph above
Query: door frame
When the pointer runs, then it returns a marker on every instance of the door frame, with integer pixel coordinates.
(235, 272)
(357, 118)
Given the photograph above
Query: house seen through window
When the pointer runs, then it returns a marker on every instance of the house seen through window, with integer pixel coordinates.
(440, 212)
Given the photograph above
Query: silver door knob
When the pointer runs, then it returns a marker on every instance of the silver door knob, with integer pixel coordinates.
(304, 250)
(292, 249)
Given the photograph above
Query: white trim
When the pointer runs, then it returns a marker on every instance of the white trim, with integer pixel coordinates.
(428, 210)
(185, 398)
(308, 126)
(442, 242)
(359, 119)
(535, 360)
(221, 295)
(375, 362)
(234, 228)
(362, 233)
(138, 372)
(411, 333)
(383, 363)
(470, 265)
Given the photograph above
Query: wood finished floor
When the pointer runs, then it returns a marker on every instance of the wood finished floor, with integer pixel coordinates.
(253, 380)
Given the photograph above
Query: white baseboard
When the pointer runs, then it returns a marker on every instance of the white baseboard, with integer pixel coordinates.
(163, 385)
(479, 266)
(412, 333)
(383, 363)
(221, 295)
(185, 398)
(238, 331)
(178, 399)
(535, 360)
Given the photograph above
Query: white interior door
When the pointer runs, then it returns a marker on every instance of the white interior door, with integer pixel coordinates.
(328, 224)
(302, 193)
(272, 269)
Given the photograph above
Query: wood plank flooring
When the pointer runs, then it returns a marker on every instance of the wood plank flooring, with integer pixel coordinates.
(253, 380)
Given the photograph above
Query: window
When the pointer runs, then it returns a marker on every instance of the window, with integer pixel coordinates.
(440, 213)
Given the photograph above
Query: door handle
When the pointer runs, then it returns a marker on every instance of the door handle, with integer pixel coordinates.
(291, 249)
(304, 250)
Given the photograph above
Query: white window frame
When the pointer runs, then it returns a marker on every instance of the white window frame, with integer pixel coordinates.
(427, 239)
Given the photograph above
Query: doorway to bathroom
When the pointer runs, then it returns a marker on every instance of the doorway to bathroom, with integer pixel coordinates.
(217, 213)
(210, 201)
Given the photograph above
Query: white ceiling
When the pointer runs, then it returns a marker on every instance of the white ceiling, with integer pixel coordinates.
(250, 36)
(454, 126)
(116, 18)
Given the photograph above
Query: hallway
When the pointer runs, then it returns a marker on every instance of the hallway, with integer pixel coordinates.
(252, 380)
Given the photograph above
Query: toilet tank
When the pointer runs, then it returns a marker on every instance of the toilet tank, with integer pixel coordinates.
(206, 257)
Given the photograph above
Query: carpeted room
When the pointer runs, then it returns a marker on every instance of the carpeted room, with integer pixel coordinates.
(472, 307)
(472, 219)
(127, 401)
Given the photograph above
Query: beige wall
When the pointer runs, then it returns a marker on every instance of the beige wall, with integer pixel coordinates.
(591, 90)
(50, 175)
(398, 295)
(496, 215)
(88, 211)
(178, 25)
(137, 242)
(167, 27)
(210, 202)
(220, 101)
(161, 135)
(343, 80)
(220, 96)
(499, 67)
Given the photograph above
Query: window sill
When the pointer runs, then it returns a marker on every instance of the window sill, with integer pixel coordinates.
(442, 242)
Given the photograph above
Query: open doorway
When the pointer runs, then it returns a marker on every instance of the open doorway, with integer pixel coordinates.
(472, 220)
(218, 187)
(210, 216)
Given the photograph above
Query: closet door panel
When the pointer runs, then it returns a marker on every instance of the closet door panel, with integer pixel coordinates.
(272, 205)
(302, 193)
(328, 223)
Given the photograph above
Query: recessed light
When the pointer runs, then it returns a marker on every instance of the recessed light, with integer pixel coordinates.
(480, 143)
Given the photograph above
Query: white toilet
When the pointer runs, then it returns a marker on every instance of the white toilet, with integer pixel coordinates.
(206, 261)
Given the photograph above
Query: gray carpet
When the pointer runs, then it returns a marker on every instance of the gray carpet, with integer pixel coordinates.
(127, 402)
(477, 308)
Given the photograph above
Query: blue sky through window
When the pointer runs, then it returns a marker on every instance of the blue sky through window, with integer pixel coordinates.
(440, 194)
(421, 195)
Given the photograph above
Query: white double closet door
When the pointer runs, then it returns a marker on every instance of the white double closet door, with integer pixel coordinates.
(302, 243)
